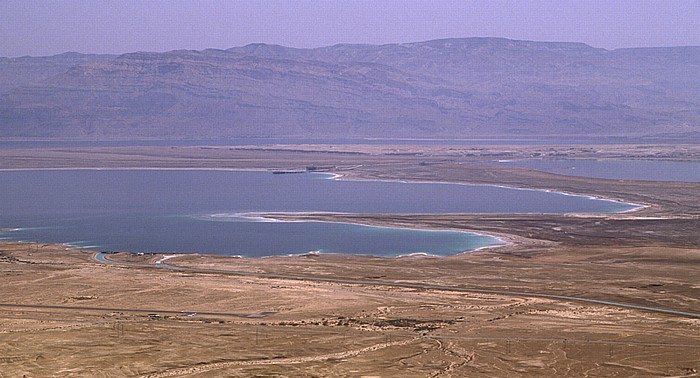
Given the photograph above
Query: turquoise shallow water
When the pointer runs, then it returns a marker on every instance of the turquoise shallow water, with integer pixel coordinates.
(193, 211)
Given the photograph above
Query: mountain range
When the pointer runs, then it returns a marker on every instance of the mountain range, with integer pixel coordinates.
(450, 88)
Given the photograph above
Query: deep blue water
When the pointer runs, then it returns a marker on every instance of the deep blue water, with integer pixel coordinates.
(199, 211)
(617, 169)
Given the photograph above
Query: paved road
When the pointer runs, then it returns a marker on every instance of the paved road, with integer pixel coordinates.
(102, 257)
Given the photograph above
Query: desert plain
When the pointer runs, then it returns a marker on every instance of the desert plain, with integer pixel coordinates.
(524, 309)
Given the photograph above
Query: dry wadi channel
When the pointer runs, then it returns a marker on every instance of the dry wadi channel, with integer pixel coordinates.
(65, 314)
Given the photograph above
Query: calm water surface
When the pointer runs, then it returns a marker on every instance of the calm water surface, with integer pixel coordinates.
(646, 170)
(200, 211)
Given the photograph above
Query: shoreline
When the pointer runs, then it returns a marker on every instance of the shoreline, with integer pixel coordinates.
(290, 308)
(635, 206)
(500, 239)
(342, 177)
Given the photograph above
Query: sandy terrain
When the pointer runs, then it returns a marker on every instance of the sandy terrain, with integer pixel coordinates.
(64, 314)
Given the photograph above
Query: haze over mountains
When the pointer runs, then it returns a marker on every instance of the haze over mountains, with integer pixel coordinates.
(454, 88)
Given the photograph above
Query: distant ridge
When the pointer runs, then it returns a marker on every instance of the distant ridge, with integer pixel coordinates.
(449, 88)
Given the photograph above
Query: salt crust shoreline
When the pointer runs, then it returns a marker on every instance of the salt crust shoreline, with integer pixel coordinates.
(502, 240)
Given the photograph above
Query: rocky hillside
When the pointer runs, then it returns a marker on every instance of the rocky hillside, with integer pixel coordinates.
(456, 88)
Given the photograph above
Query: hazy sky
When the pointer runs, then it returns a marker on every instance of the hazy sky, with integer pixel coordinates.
(46, 27)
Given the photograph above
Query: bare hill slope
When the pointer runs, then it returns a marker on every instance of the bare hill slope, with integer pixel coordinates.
(455, 88)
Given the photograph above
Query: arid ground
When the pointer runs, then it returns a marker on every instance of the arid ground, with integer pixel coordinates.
(492, 312)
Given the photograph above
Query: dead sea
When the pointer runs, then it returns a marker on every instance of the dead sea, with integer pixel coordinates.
(199, 211)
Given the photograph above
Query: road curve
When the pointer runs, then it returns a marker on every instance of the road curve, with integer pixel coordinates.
(102, 257)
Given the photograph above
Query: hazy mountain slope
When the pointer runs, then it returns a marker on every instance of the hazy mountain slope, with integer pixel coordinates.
(27, 70)
(446, 88)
